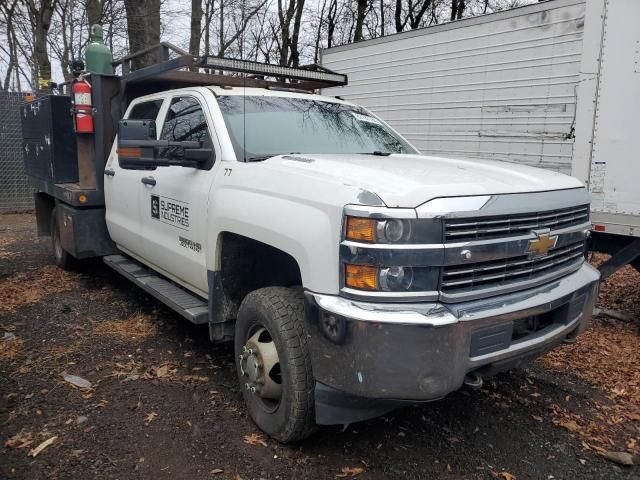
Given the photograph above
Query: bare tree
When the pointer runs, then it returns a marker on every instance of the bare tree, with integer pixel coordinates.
(40, 14)
(8, 11)
(94, 9)
(411, 14)
(290, 17)
(143, 26)
(318, 38)
(457, 9)
(361, 12)
(196, 27)
(331, 21)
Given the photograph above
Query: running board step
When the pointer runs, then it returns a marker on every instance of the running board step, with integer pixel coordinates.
(187, 304)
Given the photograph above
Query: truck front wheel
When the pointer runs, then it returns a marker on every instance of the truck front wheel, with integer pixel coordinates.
(273, 363)
(62, 258)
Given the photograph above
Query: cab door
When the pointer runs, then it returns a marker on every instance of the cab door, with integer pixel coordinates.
(122, 188)
(174, 199)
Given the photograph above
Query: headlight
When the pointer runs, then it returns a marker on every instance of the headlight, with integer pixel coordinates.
(391, 255)
(395, 279)
(390, 279)
(392, 230)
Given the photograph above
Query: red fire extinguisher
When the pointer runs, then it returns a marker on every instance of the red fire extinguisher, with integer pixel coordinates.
(83, 109)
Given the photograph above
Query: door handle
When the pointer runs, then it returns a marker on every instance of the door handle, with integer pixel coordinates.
(148, 181)
(109, 172)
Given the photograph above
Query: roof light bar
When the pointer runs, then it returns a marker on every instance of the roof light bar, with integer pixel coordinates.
(257, 68)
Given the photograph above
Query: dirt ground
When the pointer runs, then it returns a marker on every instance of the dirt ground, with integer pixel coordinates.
(163, 402)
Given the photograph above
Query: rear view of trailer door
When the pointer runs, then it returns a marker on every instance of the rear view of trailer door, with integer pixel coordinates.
(615, 161)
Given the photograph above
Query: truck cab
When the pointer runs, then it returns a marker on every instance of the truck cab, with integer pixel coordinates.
(353, 274)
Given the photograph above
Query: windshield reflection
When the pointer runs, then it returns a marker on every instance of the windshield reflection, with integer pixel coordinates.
(263, 126)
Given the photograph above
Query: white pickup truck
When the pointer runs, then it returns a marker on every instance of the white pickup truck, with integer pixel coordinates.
(354, 274)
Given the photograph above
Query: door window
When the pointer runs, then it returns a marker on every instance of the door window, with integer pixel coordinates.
(186, 122)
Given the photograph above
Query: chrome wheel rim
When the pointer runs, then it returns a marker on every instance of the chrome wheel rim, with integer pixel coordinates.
(260, 368)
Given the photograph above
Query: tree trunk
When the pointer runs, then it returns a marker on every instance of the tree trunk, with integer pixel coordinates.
(331, 21)
(316, 52)
(457, 9)
(461, 7)
(13, 58)
(143, 27)
(285, 21)
(40, 14)
(416, 19)
(361, 12)
(208, 14)
(295, 53)
(196, 27)
(221, 30)
(398, 16)
(94, 12)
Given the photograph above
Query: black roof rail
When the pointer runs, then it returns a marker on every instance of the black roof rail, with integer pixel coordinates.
(186, 70)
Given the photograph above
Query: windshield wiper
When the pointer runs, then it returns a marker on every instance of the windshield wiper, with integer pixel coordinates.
(377, 153)
(259, 158)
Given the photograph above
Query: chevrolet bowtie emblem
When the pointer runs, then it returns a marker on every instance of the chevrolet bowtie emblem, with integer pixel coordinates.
(541, 245)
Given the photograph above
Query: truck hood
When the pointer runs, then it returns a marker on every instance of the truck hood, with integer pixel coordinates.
(411, 180)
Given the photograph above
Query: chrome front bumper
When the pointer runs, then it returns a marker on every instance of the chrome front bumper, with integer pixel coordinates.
(423, 351)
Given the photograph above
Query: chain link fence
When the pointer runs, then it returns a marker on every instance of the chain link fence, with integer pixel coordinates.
(15, 193)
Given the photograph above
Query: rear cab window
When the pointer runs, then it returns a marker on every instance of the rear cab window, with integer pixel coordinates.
(145, 110)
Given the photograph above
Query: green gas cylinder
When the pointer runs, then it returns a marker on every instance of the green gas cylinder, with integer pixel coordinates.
(98, 56)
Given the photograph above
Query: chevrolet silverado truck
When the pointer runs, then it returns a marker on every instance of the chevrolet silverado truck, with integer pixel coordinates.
(353, 274)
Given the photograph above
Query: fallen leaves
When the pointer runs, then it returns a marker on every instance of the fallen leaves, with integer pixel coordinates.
(195, 378)
(10, 346)
(621, 458)
(166, 370)
(570, 425)
(504, 475)
(350, 472)
(26, 288)
(607, 355)
(254, 439)
(36, 451)
(162, 371)
(19, 440)
(6, 241)
(150, 417)
(136, 327)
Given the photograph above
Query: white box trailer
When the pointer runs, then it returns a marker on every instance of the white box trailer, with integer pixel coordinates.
(553, 85)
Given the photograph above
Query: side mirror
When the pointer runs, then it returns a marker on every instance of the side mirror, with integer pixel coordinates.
(138, 148)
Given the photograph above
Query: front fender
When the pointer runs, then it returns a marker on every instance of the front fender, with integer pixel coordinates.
(309, 231)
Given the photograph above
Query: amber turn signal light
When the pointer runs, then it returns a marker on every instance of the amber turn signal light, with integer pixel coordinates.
(361, 229)
(361, 277)
(129, 152)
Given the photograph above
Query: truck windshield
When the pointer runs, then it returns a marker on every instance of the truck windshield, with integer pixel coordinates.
(263, 126)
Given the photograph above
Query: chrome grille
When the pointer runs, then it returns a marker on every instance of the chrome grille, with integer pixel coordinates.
(504, 226)
(499, 273)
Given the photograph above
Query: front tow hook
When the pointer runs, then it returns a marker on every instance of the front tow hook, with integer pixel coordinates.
(473, 380)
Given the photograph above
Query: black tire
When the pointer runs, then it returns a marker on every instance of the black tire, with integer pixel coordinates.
(61, 257)
(280, 311)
